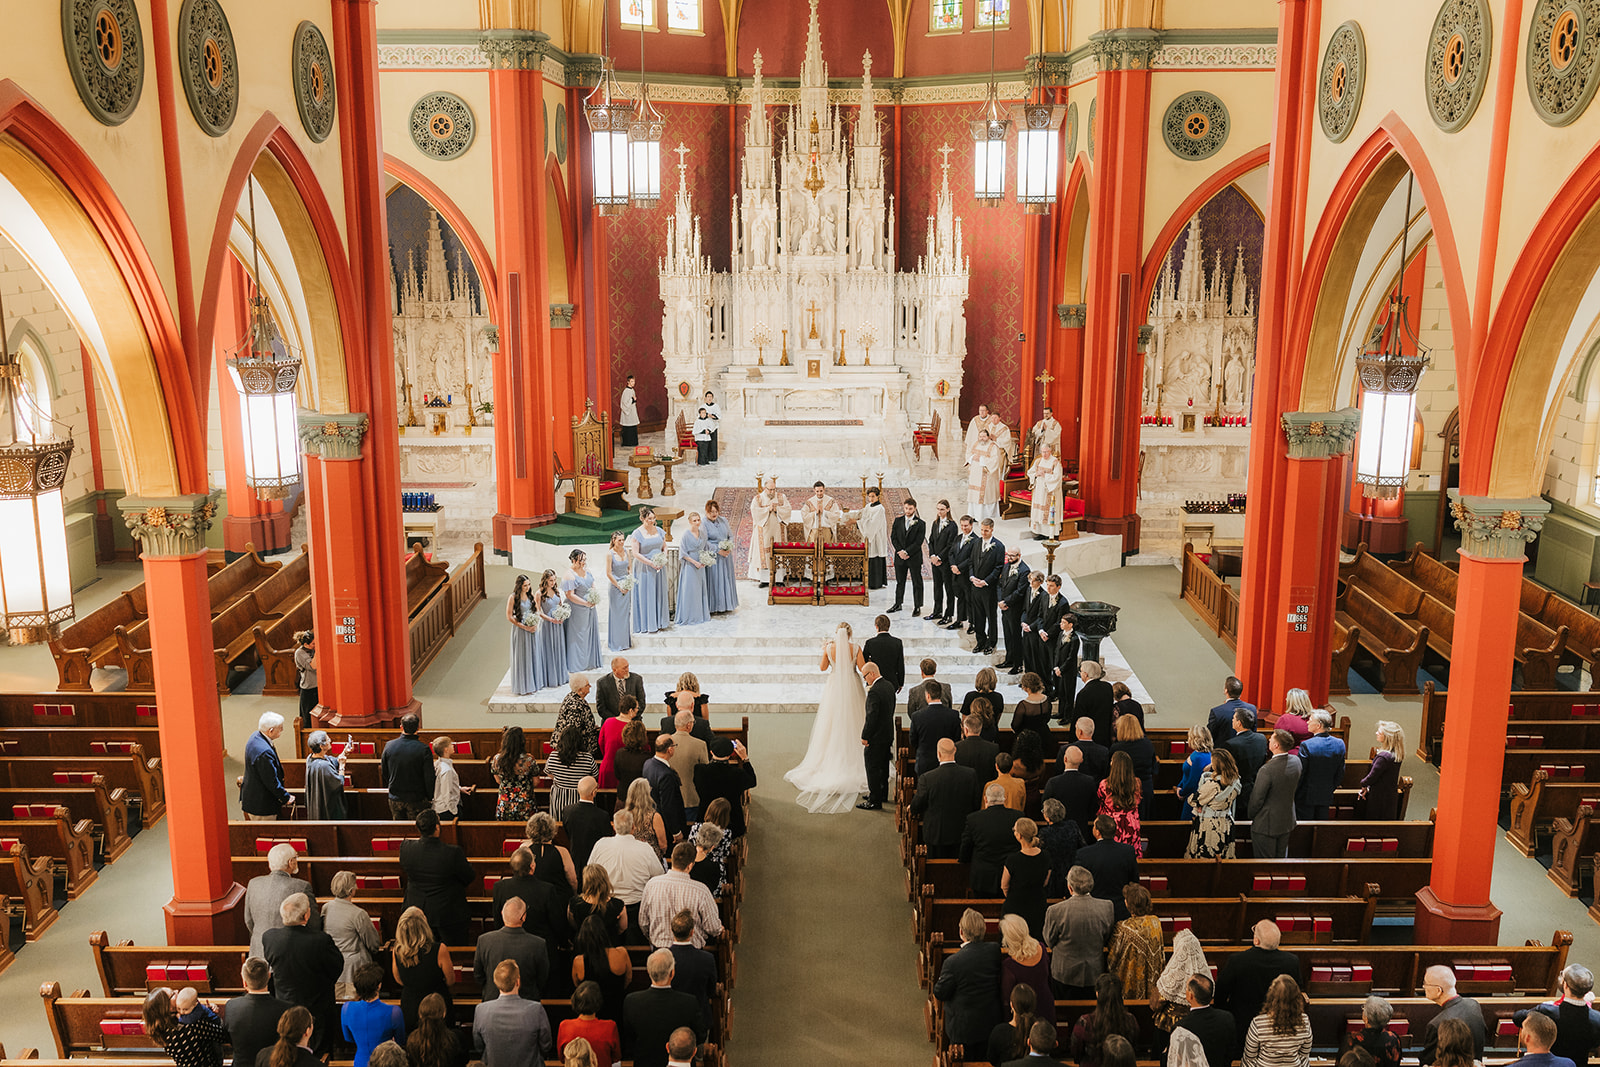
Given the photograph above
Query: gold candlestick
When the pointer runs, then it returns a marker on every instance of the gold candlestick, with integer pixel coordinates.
(839, 362)
(784, 360)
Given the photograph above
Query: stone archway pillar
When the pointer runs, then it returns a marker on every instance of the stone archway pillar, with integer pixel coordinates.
(1454, 907)
(1066, 365)
(170, 532)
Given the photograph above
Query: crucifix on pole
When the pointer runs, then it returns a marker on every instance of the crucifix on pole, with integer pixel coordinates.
(813, 309)
(1044, 381)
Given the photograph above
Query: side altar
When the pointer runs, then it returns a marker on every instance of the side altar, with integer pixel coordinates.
(813, 322)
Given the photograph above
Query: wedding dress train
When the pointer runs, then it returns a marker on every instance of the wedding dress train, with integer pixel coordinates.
(833, 775)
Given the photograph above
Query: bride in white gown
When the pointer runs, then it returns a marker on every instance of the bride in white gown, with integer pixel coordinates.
(833, 776)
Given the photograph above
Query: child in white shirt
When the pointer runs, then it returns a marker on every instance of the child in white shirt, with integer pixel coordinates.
(446, 782)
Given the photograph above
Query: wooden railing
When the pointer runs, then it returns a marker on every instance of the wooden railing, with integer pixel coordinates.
(1212, 597)
(436, 623)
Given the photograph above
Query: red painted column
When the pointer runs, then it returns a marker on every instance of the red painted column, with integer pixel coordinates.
(1066, 392)
(384, 668)
(1109, 464)
(525, 415)
(1454, 908)
(1276, 389)
(171, 535)
(249, 521)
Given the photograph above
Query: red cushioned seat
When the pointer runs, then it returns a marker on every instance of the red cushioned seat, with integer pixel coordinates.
(836, 546)
(792, 544)
(610, 487)
(844, 590)
(923, 437)
(1072, 508)
(1025, 495)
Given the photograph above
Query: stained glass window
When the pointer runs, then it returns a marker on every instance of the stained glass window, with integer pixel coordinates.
(683, 14)
(639, 14)
(944, 15)
(994, 12)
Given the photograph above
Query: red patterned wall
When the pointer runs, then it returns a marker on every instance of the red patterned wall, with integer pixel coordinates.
(994, 240)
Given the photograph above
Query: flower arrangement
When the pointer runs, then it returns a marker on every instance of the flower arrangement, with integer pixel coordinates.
(627, 584)
(725, 545)
(657, 557)
(593, 597)
(562, 613)
(530, 618)
(707, 557)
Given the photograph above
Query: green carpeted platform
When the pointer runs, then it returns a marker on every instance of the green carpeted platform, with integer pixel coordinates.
(583, 530)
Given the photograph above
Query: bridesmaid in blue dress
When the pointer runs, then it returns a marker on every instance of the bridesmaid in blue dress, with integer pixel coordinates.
(692, 604)
(550, 643)
(721, 592)
(583, 629)
(650, 595)
(519, 606)
(619, 619)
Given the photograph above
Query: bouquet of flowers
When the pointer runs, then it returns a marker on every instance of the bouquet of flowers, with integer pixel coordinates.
(627, 583)
(657, 557)
(725, 545)
(530, 618)
(707, 557)
(562, 613)
(593, 597)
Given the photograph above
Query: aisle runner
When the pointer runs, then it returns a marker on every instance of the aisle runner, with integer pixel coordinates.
(735, 503)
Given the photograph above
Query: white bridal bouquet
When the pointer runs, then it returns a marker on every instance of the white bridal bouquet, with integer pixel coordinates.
(707, 557)
(530, 618)
(562, 613)
(657, 557)
(593, 597)
(627, 583)
(725, 545)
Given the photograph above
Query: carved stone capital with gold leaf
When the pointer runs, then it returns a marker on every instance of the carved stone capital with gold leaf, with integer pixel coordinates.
(1321, 434)
(169, 526)
(332, 436)
(1496, 527)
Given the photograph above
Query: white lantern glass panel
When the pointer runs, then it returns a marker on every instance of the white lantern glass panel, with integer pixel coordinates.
(34, 575)
(1383, 449)
(610, 166)
(644, 171)
(1037, 165)
(989, 169)
(271, 434)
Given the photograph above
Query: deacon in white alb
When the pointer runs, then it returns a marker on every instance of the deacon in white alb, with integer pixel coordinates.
(820, 511)
(874, 524)
(1047, 431)
(985, 466)
(628, 415)
(1046, 477)
(768, 512)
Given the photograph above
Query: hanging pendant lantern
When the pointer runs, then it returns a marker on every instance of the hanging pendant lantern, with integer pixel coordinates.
(1038, 145)
(609, 117)
(644, 152)
(989, 131)
(35, 580)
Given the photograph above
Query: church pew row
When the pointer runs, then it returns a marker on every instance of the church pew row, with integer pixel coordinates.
(276, 646)
(353, 838)
(372, 805)
(28, 885)
(105, 807)
(1170, 742)
(1386, 584)
(138, 778)
(91, 642)
(1536, 804)
(1530, 969)
(69, 846)
(94, 710)
(1574, 843)
(480, 743)
(1395, 644)
(92, 741)
(1524, 706)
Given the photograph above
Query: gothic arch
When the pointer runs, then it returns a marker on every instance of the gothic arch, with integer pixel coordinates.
(488, 280)
(1078, 197)
(1151, 270)
(24, 333)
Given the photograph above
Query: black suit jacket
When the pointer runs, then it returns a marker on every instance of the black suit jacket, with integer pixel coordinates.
(1076, 791)
(1217, 1032)
(1096, 758)
(961, 556)
(547, 907)
(586, 823)
(915, 701)
(608, 694)
(695, 973)
(725, 778)
(1095, 701)
(1014, 588)
(928, 725)
(969, 984)
(878, 728)
(944, 799)
(437, 876)
(942, 538)
(648, 1018)
(1465, 1009)
(667, 788)
(889, 653)
(908, 537)
(1242, 983)
(986, 841)
(986, 566)
(1113, 865)
(252, 1025)
(978, 754)
(1034, 611)
(305, 965)
(530, 952)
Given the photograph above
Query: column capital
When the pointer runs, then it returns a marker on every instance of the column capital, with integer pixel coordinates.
(514, 49)
(332, 436)
(1321, 434)
(561, 316)
(1071, 316)
(491, 333)
(1131, 49)
(169, 526)
(1497, 527)
(1142, 339)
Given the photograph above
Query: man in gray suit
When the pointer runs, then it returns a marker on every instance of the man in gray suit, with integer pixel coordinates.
(509, 1031)
(1272, 799)
(1076, 931)
(916, 698)
(265, 894)
(609, 690)
(511, 942)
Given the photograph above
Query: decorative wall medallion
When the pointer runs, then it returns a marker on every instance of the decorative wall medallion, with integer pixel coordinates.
(1195, 125)
(1093, 105)
(313, 81)
(105, 53)
(209, 65)
(1458, 61)
(1339, 85)
(561, 134)
(1072, 133)
(442, 125)
(1563, 58)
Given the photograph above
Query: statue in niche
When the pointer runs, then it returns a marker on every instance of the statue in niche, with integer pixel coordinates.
(830, 229)
(761, 240)
(1192, 377)
(685, 343)
(1233, 381)
(483, 379)
(941, 328)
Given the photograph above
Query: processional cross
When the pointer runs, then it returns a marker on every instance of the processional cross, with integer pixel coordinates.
(1044, 381)
(682, 151)
(813, 309)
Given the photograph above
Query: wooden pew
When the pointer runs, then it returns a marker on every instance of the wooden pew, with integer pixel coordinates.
(1525, 706)
(134, 775)
(1385, 584)
(423, 578)
(1533, 806)
(1394, 644)
(1346, 642)
(1538, 648)
(483, 742)
(98, 710)
(92, 741)
(1572, 850)
(275, 649)
(68, 845)
(29, 885)
(91, 642)
(282, 590)
(106, 808)
(353, 838)
(1583, 631)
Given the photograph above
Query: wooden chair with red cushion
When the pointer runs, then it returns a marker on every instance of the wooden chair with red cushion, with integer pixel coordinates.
(685, 437)
(926, 433)
(799, 562)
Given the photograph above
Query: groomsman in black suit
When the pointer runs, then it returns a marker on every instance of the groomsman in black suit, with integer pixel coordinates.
(877, 737)
(905, 540)
(941, 542)
(1067, 646)
(988, 561)
(1049, 630)
(888, 652)
(1032, 618)
(961, 574)
(1013, 603)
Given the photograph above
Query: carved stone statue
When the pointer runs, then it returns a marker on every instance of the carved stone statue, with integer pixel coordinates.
(1233, 381)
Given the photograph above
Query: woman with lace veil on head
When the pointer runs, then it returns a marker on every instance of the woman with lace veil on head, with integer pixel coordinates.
(833, 775)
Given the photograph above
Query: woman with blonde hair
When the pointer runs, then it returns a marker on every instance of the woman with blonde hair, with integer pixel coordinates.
(1130, 736)
(1281, 1035)
(1381, 786)
(1296, 717)
(578, 1053)
(648, 826)
(1194, 764)
(1025, 877)
(1023, 961)
(687, 697)
(420, 964)
(596, 899)
(1119, 798)
(1136, 945)
(1213, 807)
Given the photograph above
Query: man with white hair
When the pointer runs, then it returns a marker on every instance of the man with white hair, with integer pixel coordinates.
(987, 839)
(266, 893)
(650, 1016)
(1322, 758)
(1243, 982)
(1577, 1024)
(1439, 986)
(612, 687)
(305, 965)
(688, 752)
(261, 791)
(629, 863)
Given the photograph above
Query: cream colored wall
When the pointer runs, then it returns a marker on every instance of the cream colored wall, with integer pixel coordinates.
(1437, 394)
(469, 179)
(1219, 14)
(1572, 454)
(1248, 97)
(428, 15)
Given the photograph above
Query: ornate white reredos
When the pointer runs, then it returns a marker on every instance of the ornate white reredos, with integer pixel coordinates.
(813, 276)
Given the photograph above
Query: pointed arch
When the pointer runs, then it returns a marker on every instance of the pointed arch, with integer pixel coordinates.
(488, 280)
(1151, 270)
(1078, 197)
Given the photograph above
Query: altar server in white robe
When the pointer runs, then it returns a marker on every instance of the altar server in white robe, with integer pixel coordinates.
(820, 511)
(874, 524)
(985, 466)
(1047, 431)
(979, 423)
(768, 512)
(1046, 477)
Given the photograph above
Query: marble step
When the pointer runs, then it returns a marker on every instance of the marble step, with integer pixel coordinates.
(728, 701)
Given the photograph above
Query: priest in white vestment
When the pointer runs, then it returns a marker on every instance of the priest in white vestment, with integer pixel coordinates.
(874, 524)
(985, 467)
(768, 512)
(1046, 477)
(1047, 431)
(820, 511)
(980, 421)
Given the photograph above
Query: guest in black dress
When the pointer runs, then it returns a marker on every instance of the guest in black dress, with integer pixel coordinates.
(1131, 739)
(1381, 786)
(1025, 877)
(629, 761)
(1060, 838)
(421, 964)
(983, 689)
(1124, 704)
(597, 958)
(1033, 710)
(596, 899)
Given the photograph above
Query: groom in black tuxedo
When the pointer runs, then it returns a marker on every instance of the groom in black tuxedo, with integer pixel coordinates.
(877, 735)
(988, 558)
(888, 652)
(905, 540)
